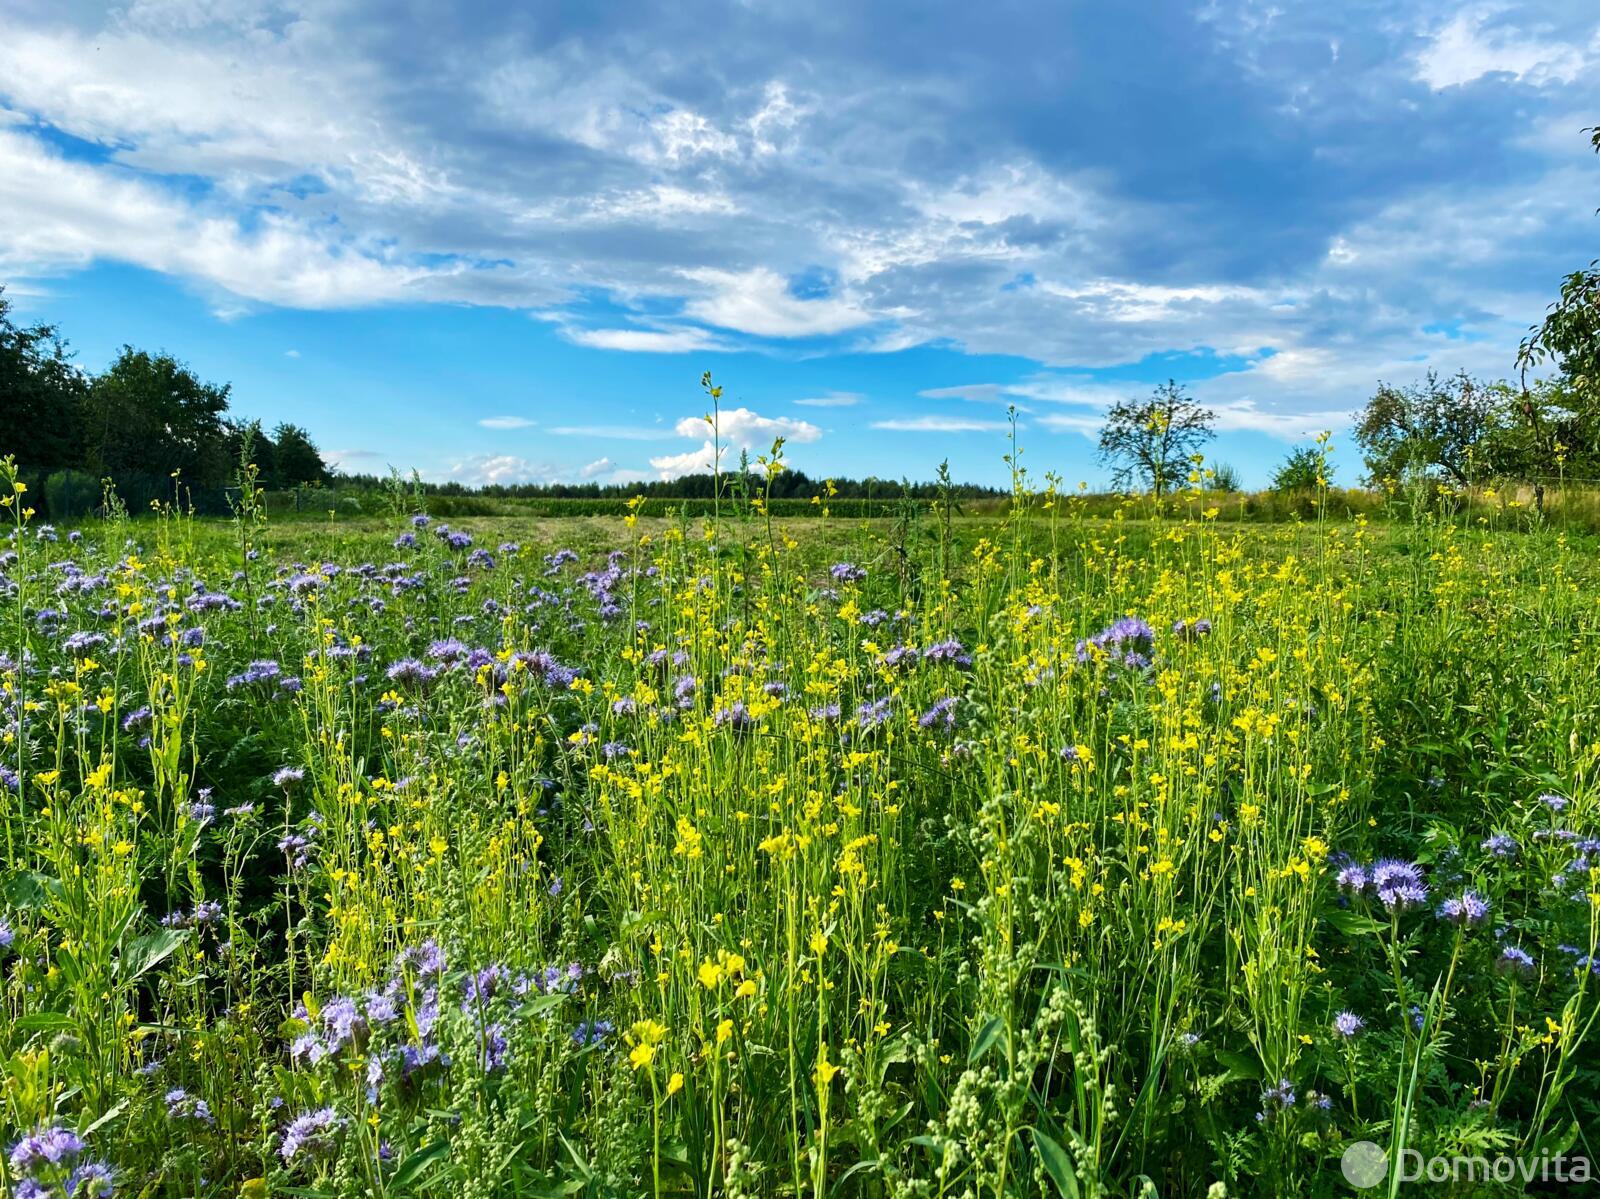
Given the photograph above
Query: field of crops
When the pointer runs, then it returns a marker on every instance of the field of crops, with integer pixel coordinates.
(1051, 855)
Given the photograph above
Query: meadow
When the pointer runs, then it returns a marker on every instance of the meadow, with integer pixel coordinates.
(1053, 852)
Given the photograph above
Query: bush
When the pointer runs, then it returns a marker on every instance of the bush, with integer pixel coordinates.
(70, 494)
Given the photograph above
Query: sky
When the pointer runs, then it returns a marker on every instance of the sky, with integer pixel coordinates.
(501, 243)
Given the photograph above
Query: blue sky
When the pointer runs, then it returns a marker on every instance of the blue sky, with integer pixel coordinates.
(502, 246)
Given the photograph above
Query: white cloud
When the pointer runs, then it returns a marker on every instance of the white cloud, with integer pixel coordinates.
(737, 429)
(972, 393)
(683, 134)
(834, 399)
(291, 353)
(598, 467)
(56, 214)
(1063, 422)
(343, 459)
(617, 432)
(777, 116)
(643, 341)
(1468, 48)
(940, 424)
(506, 422)
(759, 301)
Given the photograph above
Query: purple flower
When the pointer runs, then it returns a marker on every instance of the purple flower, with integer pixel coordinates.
(1348, 1025)
(447, 650)
(900, 655)
(942, 714)
(1398, 885)
(342, 1020)
(592, 1032)
(847, 572)
(1126, 642)
(1470, 908)
(494, 1051)
(426, 959)
(874, 714)
(54, 1146)
(949, 651)
(310, 1134)
(1500, 845)
(1353, 878)
(1556, 803)
(288, 777)
(409, 670)
(262, 670)
(91, 1180)
(1514, 960)
(736, 716)
(183, 1106)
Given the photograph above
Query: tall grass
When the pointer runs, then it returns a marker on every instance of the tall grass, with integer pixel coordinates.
(1063, 854)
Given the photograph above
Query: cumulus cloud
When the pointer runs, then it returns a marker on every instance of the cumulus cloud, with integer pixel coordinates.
(736, 430)
(760, 301)
(835, 176)
(1471, 45)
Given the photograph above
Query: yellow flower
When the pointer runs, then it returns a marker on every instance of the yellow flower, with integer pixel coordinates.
(825, 1070)
(746, 989)
(724, 1031)
(642, 1055)
(710, 975)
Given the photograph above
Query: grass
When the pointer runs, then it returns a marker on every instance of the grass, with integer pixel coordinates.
(1052, 851)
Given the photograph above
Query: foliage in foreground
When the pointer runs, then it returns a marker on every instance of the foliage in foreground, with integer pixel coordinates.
(1085, 858)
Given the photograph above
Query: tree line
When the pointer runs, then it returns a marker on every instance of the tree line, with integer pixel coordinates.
(143, 420)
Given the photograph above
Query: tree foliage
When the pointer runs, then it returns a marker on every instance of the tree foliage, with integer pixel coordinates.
(1570, 332)
(1302, 470)
(1432, 427)
(145, 418)
(41, 395)
(1149, 443)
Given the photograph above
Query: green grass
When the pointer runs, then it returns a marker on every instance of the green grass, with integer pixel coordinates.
(1022, 916)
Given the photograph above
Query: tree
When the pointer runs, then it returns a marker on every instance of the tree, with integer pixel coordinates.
(1561, 415)
(41, 396)
(1300, 471)
(150, 414)
(295, 458)
(1570, 331)
(1430, 428)
(1150, 442)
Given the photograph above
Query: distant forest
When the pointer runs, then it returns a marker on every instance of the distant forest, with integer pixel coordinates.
(148, 418)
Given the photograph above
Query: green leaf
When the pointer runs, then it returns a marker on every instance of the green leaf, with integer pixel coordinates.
(984, 1041)
(45, 1022)
(143, 954)
(1239, 1065)
(109, 1116)
(414, 1167)
(28, 889)
(1057, 1164)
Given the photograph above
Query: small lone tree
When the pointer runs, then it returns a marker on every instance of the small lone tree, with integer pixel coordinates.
(1149, 442)
(1300, 471)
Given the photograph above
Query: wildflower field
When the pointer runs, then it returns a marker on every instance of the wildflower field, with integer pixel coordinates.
(1045, 854)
